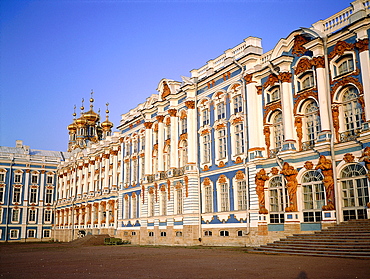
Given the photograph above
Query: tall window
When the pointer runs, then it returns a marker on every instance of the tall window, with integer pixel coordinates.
(205, 117)
(17, 178)
(49, 179)
(127, 172)
(352, 111)
(2, 177)
(312, 120)
(179, 201)
(183, 153)
(313, 196)
(206, 148)
(184, 125)
(306, 81)
(16, 195)
(34, 179)
(278, 130)
(15, 215)
(49, 196)
(224, 197)
(277, 195)
(221, 111)
(167, 157)
(127, 207)
(134, 206)
(134, 170)
(151, 203)
(33, 195)
(355, 192)
(221, 143)
(238, 104)
(239, 139)
(242, 194)
(32, 215)
(47, 215)
(208, 199)
(1, 194)
(164, 202)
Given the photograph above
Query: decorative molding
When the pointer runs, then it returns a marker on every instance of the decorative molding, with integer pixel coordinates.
(308, 165)
(271, 81)
(172, 112)
(349, 158)
(339, 49)
(298, 48)
(190, 104)
(362, 45)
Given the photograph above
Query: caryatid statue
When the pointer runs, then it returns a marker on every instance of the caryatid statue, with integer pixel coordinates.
(260, 179)
(290, 175)
(326, 168)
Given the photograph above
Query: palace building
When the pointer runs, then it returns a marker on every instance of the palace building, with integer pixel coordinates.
(28, 180)
(253, 146)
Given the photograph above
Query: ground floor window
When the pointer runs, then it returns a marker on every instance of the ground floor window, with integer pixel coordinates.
(178, 233)
(207, 233)
(224, 233)
(276, 218)
(151, 233)
(14, 234)
(46, 233)
(31, 233)
(163, 233)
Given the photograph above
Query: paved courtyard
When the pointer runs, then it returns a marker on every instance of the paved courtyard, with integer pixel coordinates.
(47, 260)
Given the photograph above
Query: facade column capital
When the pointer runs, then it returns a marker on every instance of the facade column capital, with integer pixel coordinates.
(190, 104)
(148, 125)
(172, 112)
(285, 77)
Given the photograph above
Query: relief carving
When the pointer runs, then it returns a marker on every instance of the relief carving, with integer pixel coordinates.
(298, 48)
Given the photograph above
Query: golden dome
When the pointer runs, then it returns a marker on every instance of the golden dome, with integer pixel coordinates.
(72, 126)
(107, 124)
(91, 116)
(81, 121)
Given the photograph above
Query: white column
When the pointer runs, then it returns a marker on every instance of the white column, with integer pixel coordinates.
(363, 46)
(287, 105)
(323, 93)
(174, 139)
(26, 187)
(160, 142)
(92, 175)
(86, 175)
(64, 186)
(79, 183)
(106, 171)
(115, 164)
(148, 147)
(192, 132)
(42, 188)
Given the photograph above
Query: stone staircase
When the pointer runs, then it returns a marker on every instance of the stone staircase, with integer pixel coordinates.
(349, 239)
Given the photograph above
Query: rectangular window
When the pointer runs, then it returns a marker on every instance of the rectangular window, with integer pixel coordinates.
(221, 111)
(34, 178)
(2, 177)
(242, 195)
(164, 202)
(1, 217)
(49, 179)
(32, 215)
(47, 216)
(16, 195)
(49, 196)
(14, 234)
(31, 233)
(33, 195)
(46, 233)
(179, 201)
(163, 233)
(205, 116)
(238, 104)
(208, 198)
(134, 170)
(222, 144)
(17, 178)
(224, 233)
(15, 215)
(207, 233)
(206, 148)
(239, 139)
(224, 194)
(134, 207)
(2, 194)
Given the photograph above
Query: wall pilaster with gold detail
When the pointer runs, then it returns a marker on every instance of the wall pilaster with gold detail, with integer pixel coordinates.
(174, 138)
(160, 119)
(192, 131)
(148, 147)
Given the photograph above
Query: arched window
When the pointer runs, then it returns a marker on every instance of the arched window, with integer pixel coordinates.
(223, 194)
(163, 201)
(343, 65)
(306, 81)
(179, 200)
(151, 202)
(277, 126)
(273, 94)
(166, 157)
(133, 206)
(277, 199)
(355, 191)
(313, 196)
(352, 111)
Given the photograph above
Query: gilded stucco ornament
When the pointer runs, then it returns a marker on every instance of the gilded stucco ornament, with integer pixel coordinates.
(348, 158)
(298, 124)
(298, 48)
(290, 175)
(260, 179)
(325, 165)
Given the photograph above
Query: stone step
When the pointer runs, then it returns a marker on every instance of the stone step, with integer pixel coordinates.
(318, 247)
(328, 243)
(324, 236)
(360, 255)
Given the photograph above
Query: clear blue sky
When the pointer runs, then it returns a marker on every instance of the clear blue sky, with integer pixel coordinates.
(52, 53)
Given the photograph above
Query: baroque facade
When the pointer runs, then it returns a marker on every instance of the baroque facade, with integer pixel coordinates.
(252, 147)
(27, 192)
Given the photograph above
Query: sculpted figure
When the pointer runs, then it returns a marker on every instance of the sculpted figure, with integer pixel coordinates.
(327, 170)
(290, 175)
(365, 157)
(260, 179)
